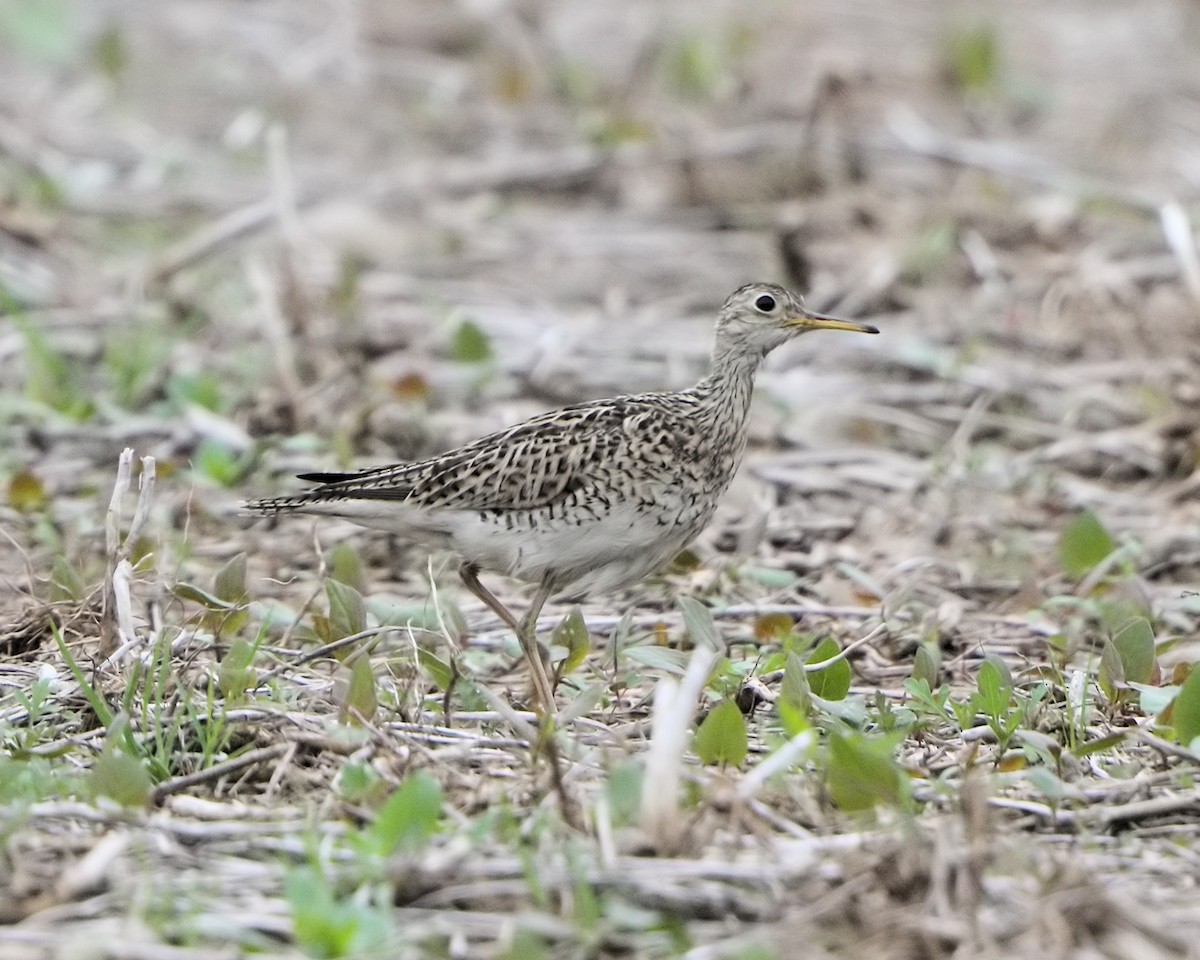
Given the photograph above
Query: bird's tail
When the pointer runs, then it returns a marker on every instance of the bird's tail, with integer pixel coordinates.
(330, 501)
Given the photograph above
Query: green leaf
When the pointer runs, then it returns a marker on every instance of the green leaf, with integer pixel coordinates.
(1154, 700)
(358, 783)
(1135, 644)
(658, 658)
(65, 582)
(410, 816)
(218, 463)
(1083, 545)
(110, 54)
(624, 791)
(794, 690)
(583, 703)
(1111, 675)
(229, 585)
(769, 577)
(50, 379)
(572, 633)
(1186, 712)
(347, 609)
(470, 344)
(972, 59)
(360, 693)
(235, 675)
(120, 777)
(994, 694)
(230, 582)
(439, 671)
(832, 683)
(862, 773)
(325, 927)
(345, 567)
(1100, 745)
(696, 66)
(195, 594)
(927, 665)
(697, 618)
(794, 720)
(722, 736)
(26, 492)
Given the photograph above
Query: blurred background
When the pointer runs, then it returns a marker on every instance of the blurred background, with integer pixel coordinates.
(247, 237)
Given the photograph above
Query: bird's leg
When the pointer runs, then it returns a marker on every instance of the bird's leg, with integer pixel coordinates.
(542, 688)
(525, 630)
(470, 576)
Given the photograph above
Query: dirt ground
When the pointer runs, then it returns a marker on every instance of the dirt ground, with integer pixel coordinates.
(249, 239)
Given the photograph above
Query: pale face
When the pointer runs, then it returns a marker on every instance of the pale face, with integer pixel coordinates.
(760, 316)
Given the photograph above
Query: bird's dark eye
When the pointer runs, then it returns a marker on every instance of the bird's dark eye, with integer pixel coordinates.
(764, 304)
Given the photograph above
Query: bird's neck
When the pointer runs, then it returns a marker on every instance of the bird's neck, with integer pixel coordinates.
(727, 389)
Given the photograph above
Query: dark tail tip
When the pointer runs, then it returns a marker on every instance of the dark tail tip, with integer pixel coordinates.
(325, 477)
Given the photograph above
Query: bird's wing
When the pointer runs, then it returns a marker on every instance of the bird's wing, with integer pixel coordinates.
(532, 464)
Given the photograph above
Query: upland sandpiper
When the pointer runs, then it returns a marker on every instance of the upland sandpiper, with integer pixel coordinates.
(588, 498)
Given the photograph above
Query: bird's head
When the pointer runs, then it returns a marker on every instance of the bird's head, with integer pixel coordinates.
(759, 317)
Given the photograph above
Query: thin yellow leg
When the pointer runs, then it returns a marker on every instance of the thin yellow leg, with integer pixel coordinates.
(525, 630)
(542, 688)
(470, 576)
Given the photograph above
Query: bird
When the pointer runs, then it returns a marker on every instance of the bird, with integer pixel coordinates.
(587, 498)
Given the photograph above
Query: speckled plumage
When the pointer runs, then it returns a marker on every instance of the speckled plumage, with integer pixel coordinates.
(593, 496)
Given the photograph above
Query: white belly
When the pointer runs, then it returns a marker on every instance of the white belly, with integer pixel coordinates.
(580, 556)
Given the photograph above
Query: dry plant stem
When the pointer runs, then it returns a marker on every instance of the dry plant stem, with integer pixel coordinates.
(118, 605)
(541, 739)
(674, 704)
(275, 329)
(212, 237)
(1177, 228)
(217, 770)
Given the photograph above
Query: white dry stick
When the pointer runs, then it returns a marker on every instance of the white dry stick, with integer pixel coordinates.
(452, 643)
(777, 762)
(112, 542)
(123, 601)
(145, 499)
(112, 521)
(1177, 228)
(674, 708)
(211, 237)
(96, 871)
(605, 841)
(849, 648)
(283, 186)
(275, 329)
(118, 597)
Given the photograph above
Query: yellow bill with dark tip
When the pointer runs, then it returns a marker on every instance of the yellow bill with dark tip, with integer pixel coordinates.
(820, 321)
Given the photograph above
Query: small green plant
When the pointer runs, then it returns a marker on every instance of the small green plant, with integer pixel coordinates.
(861, 772)
(134, 360)
(470, 344)
(1084, 545)
(971, 59)
(406, 821)
(52, 379)
(326, 924)
(1187, 711)
(995, 701)
(721, 737)
(570, 636)
(216, 462)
